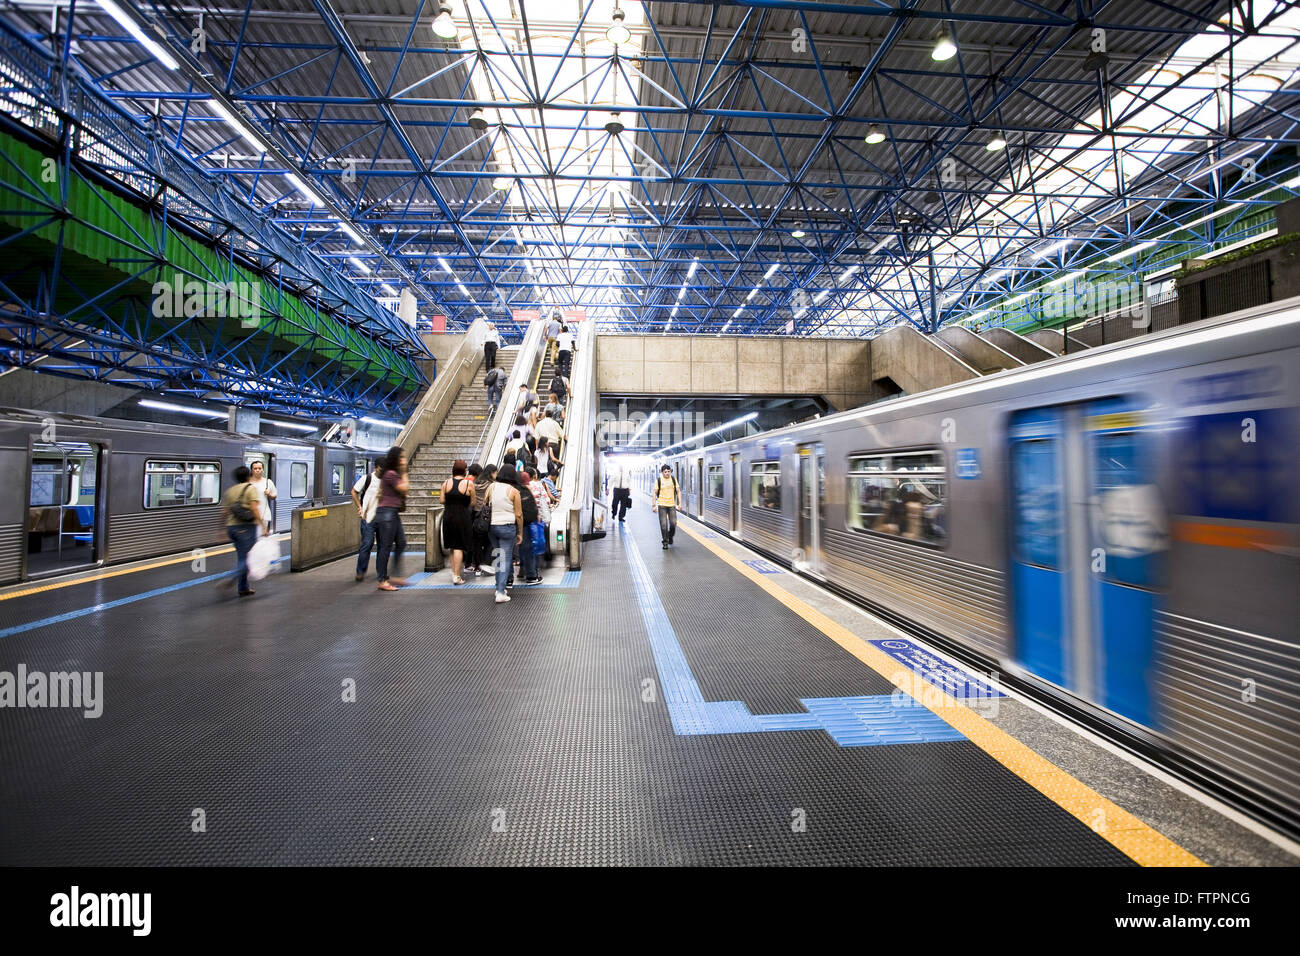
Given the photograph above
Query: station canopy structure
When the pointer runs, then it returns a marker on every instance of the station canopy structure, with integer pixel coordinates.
(798, 168)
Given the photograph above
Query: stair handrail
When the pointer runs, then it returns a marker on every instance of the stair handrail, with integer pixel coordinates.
(571, 516)
(456, 372)
(503, 422)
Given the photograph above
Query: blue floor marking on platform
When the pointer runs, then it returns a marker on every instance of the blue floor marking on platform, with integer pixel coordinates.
(949, 678)
(569, 581)
(850, 721)
(763, 567)
(108, 605)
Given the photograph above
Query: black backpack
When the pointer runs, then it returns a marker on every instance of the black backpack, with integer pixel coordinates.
(240, 511)
(493, 376)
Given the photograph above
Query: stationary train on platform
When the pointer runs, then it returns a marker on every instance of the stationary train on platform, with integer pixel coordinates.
(90, 491)
(1119, 530)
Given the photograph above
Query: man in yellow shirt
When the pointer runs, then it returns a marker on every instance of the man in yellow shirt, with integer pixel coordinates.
(667, 499)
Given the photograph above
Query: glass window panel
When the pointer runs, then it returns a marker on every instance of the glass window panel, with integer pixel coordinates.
(765, 485)
(715, 481)
(904, 495)
(298, 479)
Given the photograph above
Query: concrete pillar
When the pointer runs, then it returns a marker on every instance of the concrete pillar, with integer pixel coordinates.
(245, 421)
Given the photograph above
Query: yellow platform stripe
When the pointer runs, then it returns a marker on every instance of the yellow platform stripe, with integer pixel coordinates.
(118, 572)
(1110, 821)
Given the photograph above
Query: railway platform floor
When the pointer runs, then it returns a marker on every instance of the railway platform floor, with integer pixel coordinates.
(697, 705)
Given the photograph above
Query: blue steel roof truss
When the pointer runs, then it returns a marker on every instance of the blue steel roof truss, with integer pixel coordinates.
(733, 135)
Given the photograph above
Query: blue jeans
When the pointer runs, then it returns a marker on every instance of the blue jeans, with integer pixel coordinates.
(527, 560)
(367, 542)
(392, 540)
(243, 537)
(503, 557)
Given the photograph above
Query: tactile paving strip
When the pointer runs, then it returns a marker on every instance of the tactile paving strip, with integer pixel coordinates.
(530, 732)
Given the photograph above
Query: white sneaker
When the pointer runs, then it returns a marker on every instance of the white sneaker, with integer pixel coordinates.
(502, 598)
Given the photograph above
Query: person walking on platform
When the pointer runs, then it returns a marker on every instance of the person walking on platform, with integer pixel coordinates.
(507, 527)
(241, 516)
(365, 495)
(393, 487)
(667, 500)
(622, 493)
(491, 342)
(457, 528)
(564, 346)
(494, 380)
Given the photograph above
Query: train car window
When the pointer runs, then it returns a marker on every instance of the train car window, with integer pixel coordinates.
(904, 494)
(298, 480)
(765, 485)
(179, 484)
(337, 484)
(48, 485)
(715, 481)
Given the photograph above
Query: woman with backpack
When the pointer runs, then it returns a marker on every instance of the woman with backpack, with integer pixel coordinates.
(241, 515)
(393, 487)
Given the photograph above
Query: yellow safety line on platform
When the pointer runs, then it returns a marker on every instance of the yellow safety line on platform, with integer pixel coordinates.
(55, 585)
(1108, 820)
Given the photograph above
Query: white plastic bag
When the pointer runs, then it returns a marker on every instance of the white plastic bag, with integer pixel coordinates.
(261, 558)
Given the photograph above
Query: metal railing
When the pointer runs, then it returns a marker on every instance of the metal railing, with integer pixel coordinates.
(573, 515)
(499, 435)
(435, 404)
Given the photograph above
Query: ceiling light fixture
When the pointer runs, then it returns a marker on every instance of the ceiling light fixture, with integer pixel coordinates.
(771, 270)
(614, 125)
(443, 25)
(306, 190)
(358, 263)
(695, 264)
(133, 28)
(996, 142)
(618, 32)
(220, 109)
(478, 120)
(502, 183)
(797, 232)
(875, 134)
(945, 47)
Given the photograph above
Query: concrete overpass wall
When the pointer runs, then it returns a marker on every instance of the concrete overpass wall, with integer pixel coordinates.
(1017, 345)
(977, 352)
(837, 369)
(915, 363)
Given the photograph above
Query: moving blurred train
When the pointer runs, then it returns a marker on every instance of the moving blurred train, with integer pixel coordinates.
(91, 491)
(1118, 529)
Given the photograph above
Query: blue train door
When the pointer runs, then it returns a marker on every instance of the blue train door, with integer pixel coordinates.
(1127, 536)
(1087, 530)
(1040, 587)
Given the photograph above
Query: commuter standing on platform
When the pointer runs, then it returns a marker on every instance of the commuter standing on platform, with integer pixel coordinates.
(622, 493)
(393, 487)
(483, 541)
(564, 344)
(457, 519)
(365, 495)
(241, 515)
(491, 342)
(507, 527)
(667, 500)
(266, 488)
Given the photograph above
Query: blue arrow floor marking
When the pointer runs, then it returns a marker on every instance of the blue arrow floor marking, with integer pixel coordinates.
(850, 721)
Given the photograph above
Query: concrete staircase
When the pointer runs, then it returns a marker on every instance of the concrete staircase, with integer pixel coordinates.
(457, 437)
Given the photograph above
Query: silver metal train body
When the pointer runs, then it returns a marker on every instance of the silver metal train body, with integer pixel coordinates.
(1121, 528)
(92, 491)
